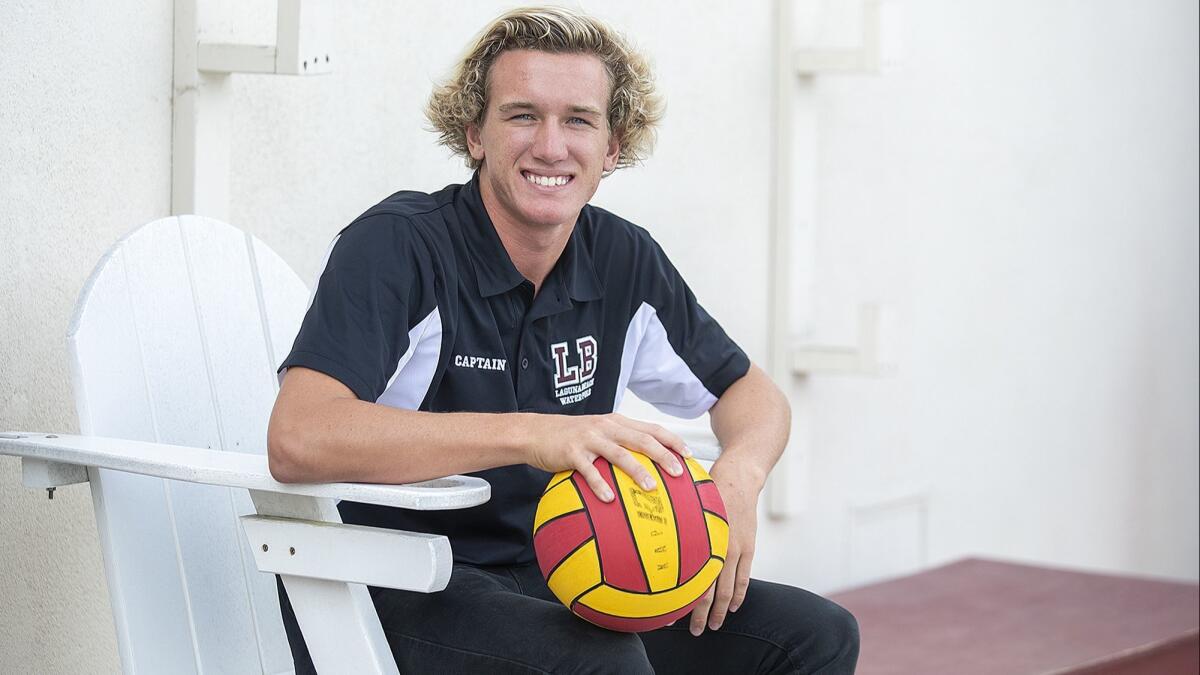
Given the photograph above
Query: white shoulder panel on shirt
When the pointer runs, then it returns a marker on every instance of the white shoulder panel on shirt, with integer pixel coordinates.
(652, 370)
(414, 372)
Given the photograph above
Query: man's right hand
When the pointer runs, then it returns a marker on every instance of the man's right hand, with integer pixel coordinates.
(563, 442)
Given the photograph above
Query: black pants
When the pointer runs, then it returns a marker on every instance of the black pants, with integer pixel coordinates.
(505, 620)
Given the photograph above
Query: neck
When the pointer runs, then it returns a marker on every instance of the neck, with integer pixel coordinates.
(533, 252)
(534, 249)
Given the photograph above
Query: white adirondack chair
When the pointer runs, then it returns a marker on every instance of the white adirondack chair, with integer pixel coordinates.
(174, 345)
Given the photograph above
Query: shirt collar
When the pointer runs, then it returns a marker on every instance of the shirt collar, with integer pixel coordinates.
(574, 273)
(494, 269)
(576, 265)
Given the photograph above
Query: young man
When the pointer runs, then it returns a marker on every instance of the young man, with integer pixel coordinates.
(492, 328)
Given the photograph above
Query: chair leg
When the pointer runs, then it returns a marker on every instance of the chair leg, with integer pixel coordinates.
(340, 626)
(338, 619)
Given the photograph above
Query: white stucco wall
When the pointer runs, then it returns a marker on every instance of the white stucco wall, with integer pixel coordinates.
(85, 155)
(1020, 194)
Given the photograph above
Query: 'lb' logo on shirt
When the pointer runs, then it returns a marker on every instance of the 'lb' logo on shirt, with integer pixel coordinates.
(573, 381)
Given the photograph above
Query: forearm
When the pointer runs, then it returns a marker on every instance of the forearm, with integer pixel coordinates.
(752, 420)
(321, 432)
(348, 440)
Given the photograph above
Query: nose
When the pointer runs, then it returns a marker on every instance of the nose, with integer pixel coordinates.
(550, 143)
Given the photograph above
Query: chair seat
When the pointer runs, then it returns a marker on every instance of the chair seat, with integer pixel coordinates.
(984, 616)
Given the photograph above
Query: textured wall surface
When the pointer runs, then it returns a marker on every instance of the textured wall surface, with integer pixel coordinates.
(1028, 213)
(85, 156)
(1022, 192)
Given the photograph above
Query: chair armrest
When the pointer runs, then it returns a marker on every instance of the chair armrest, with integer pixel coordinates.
(408, 561)
(231, 469)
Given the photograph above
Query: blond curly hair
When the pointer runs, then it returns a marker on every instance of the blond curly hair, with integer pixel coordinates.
(634, 108)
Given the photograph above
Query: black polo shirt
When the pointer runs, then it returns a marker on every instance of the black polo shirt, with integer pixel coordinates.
(420, 307)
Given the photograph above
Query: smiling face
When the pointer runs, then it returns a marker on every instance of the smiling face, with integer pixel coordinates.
(544, 142)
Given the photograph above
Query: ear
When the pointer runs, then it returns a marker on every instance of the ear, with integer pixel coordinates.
(612, 154)
(474, 142)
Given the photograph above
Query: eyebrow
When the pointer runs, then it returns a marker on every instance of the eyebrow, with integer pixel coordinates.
(525, 105)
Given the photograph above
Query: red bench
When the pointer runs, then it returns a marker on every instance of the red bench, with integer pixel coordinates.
(981, 616)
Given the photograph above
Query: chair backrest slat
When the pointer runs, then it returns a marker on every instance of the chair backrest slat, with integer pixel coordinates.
(175, 340)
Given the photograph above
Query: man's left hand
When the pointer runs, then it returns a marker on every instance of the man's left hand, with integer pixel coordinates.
(739, 487)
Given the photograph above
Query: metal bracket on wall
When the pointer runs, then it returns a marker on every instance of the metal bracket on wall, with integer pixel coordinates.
(864, 58)
(301, 47)
(861, 359)
(201, 92)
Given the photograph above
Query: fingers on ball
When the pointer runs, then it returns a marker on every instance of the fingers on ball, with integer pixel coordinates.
(596, 482)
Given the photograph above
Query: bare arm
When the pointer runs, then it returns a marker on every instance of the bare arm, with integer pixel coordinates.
(321, 432)
(752, 420)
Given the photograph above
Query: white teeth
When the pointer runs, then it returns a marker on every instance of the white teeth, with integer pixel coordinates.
(547, 181)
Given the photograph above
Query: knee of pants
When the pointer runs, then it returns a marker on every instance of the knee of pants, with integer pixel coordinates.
(838, 642)
(609, 652)
(821, 635)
